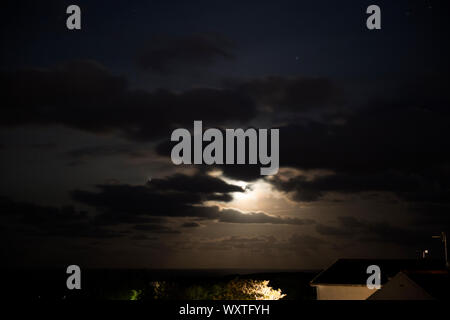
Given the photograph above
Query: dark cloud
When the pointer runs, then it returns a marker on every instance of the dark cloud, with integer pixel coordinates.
(199, 183)
(393, 144)
(235, 242)
(175, 54)
(406, 186)
(304, 240)
(432, 215)
(143, 237)
(399, 132)
(37, 220)
(112, 218)
(397, 139)
(43, 146)
(51, 96)
(138, 200)
(81, 155)
(235, 216)
(244, 172)
(295, 94)
(86, 96)
(374, 231)
(303, 245)
(400, 128)
(172, 196)
(370, 120)
(333, 231)
(30, 213)
(190, 225)
(81, 230)
(155, 228)
(175, 196)
(131, 151)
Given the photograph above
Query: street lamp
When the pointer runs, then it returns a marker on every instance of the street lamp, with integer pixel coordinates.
(443, 237)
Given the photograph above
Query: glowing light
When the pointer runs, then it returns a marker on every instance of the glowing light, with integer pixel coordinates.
(135, 294)
(261, 291)
(257, 195)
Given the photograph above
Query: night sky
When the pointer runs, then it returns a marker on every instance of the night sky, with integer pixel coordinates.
(86, 117)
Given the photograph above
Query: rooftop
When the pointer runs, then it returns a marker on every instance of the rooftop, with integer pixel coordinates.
(353, 271)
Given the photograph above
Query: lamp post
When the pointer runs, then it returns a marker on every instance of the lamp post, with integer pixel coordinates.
(443, 237)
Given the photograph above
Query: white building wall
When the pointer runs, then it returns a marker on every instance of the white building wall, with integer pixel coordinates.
(340, 292)
(401, 287)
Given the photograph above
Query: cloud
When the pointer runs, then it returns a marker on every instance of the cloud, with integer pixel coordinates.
(172, 196)
(143, 237)
(47, 221)
(433, 215)
(117, 218)
(306, 241)
(400, 128)
(174, 54)
(300, 244)
(85, 95)
(125, 209)
(406, 186)
(332, 231)
(37, 220)
(200, 183)
(30, 213)
(190, 225)
(294, 94)
(393, 144)
(244, 172)
(155, 228)
(235, 216)
(131, 151)
(374, 231)
(175, 196)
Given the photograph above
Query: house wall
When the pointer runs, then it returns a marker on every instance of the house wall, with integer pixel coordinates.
(331, 292)
(401, 287)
